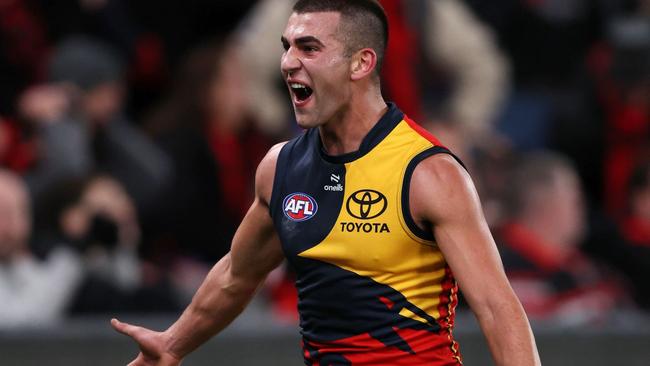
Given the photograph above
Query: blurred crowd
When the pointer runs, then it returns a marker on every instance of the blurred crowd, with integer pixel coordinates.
(129, 139)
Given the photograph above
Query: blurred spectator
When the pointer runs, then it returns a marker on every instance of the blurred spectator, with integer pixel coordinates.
(635, 227)
(114, 22)
(205, 126)
(552, 104)
(17, 151)
(153, 36)
(183, 25)
(546, 40)
(80, 127)
(23, 49)
(32, 292)
(540, 245)
(260, 51)
(443, 62)
(97, 218)
(620, 67)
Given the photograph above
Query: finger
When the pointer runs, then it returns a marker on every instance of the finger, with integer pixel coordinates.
(124, 328)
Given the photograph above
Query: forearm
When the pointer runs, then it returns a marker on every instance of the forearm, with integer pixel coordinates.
(230, 285)
(508, 334)
(461, 43)
(218, 301)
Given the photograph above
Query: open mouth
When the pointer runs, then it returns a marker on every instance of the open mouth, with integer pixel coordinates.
(301, 92)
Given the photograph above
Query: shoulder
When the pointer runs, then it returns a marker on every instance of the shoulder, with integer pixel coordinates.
(266, 172)
(440, 168)
(440, 186)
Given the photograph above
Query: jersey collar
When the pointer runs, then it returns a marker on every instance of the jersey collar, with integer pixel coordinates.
(377, 133)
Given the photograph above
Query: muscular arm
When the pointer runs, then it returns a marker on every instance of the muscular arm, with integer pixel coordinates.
(442, 194)
(228, 287)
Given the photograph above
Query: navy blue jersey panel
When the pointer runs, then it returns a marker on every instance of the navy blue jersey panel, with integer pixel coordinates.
(308, 197)
(354, 304)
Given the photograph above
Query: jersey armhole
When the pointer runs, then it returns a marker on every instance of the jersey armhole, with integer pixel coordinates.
(426, 235)
(280, 171)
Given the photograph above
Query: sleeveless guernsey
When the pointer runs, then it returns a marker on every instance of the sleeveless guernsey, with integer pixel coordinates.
(373, 287)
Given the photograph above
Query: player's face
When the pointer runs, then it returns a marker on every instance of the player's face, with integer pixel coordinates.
(315, 68)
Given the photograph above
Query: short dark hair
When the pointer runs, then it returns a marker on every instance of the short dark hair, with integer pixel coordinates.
(364, 23)
(534, 170)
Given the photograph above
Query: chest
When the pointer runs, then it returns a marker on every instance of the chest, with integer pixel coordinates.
(348, 213)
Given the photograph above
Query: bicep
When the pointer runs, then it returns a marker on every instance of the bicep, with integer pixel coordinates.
(255, 247)
(448, 200)
(472, 255)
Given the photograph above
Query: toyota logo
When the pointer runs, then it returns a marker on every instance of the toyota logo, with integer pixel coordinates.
(366, 204)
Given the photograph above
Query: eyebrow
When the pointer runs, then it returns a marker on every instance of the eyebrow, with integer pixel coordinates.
(304, 40)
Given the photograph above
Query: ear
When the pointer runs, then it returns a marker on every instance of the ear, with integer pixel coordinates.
(363, 63)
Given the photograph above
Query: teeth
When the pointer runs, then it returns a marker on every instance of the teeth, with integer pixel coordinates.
(296, 86)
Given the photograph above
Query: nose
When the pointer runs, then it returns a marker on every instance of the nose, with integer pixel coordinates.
(289, 62)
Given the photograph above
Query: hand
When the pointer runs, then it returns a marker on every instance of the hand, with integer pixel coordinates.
(107, 197)
(152, 345)
(47, 103)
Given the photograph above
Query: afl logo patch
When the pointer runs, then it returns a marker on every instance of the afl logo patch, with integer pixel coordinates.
(366, 204)
(299, 207)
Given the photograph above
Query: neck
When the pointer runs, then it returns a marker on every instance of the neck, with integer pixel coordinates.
(344, 133)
